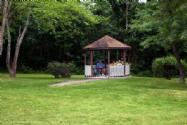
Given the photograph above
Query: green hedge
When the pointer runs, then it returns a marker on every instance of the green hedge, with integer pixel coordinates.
(166, 67)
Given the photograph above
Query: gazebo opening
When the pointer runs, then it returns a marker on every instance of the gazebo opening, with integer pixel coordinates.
(106, 57)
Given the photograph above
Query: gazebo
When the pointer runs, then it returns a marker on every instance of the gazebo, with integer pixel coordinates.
(118, 68)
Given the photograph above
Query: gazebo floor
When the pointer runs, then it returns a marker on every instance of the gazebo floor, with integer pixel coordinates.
(107, 77)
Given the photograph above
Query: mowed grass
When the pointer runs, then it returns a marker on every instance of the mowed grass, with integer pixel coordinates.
(28, 100)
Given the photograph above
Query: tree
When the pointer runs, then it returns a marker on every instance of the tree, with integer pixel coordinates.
(12, 63)
(173, 29)
(5, 5)
(164, 23)
(57, 31)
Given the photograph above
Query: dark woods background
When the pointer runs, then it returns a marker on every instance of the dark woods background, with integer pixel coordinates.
(59, 30)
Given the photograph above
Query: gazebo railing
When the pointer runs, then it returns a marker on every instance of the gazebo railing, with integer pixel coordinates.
(111, 71)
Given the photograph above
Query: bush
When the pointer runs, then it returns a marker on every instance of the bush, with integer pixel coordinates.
(185, 66)
(146, 73)
(25, 69)
(74, 69)
(58, 69)
(166, 67)
(136, 68)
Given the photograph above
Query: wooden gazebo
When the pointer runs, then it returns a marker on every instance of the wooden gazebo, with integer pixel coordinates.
(107, 44)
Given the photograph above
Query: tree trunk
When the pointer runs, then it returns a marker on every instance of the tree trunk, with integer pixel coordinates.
(179, 64)
(2, 27)
(12, 73)
(12, 65)
(126, 14)
(8, 56)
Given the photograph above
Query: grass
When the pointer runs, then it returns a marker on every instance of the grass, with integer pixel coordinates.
(28, 100)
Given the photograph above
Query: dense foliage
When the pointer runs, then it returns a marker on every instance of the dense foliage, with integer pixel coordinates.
(164, 23)
(58, 30)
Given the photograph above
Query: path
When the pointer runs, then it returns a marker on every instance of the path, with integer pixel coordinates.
(76, 82)
(73, 82)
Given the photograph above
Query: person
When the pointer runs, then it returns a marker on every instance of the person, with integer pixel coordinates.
(104, 68)
(100, 66)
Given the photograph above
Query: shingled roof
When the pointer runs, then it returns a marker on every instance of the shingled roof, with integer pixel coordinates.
(107, 42)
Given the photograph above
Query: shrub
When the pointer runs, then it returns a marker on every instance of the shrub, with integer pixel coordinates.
(185, 66)
(73, 68)
(146, 73)
(58, 69)
(25, 69)
(136, 68)
(79, 71)
(70, 66)
(166, 67)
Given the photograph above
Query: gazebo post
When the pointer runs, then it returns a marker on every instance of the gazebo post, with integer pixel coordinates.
(91, 62)
(108, 53)
(84, 58)
(84, 62)
(124, 56)
(124, 59)
(128, 57)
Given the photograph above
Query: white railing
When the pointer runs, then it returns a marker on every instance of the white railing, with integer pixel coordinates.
(114, 71)
(87, 70)
(117, 70)
(127, 69)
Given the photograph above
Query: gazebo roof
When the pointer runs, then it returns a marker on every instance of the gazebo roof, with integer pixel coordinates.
(107, 42)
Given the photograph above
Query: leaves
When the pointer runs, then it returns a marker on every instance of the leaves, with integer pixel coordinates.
(162, 19)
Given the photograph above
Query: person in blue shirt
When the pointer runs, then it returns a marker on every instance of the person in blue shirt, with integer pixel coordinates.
(100, 67)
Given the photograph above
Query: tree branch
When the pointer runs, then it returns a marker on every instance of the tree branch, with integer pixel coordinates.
(25, 28)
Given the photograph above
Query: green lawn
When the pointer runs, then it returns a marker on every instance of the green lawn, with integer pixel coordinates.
(28, 100)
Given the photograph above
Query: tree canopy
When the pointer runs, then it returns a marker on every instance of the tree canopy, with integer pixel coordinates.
(58, 29)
